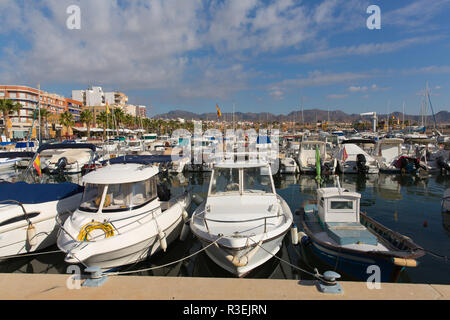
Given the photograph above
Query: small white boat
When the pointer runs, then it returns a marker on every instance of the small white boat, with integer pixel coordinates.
(288, 165)
(244, 214)
(307, 157)
(351, 158)
(349, 240)
(124, 217)
(70, 157)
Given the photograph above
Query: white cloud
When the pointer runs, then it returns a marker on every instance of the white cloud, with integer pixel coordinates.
(337, 96)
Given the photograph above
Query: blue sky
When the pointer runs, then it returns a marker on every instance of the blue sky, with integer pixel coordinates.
(262, 55)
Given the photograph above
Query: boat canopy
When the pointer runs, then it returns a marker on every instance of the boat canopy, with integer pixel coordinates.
(37, 193)
(120, 174)
(67, 146)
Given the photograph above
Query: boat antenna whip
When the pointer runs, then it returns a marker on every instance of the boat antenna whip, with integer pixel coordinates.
(338, 184)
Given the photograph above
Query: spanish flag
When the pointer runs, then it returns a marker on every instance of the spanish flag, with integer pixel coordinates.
(344, 155)
(219, 114)
(107, 108)
(37, 165)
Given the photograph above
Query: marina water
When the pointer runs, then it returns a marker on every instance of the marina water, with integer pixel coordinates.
(406, 204)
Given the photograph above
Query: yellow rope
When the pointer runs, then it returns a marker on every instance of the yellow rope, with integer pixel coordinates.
(94, 225)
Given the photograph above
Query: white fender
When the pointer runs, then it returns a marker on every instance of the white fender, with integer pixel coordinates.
(31, 235)
(162, 240)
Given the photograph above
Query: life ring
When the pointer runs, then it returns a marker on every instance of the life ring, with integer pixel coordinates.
(107, 201)
(94, 225)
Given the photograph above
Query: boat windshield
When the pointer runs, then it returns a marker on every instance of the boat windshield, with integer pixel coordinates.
(119, 197)
(253, 181)
(225, 180)
(256, 182)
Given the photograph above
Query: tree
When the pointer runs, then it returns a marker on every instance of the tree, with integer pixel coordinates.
(119, 116)
(102, 118)
(44, 116)
(8, 107)
(86, 117)
(66, 119)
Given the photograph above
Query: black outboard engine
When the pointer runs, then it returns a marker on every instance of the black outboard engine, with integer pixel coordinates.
(443, 166)
(163, 192)
(61, 164)
(361, 164)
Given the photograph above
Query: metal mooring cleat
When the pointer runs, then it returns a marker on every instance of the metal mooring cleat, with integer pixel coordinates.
(97, 277)
(330, 285)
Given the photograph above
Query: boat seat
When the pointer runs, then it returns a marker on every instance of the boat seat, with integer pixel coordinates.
(345, 233)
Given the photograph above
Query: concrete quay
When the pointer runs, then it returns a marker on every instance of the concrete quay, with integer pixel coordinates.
(56, 287)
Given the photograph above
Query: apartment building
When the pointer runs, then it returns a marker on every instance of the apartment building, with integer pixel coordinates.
(29, 98)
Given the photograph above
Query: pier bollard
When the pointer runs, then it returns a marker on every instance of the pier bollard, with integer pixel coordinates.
(330, 284)
(97, 277)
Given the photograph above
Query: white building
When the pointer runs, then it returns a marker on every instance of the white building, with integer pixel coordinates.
(91, 97)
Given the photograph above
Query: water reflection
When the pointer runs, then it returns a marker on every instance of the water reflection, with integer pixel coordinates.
(401, 202)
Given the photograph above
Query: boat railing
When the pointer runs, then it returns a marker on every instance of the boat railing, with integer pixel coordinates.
(20, 204)
(235, 221)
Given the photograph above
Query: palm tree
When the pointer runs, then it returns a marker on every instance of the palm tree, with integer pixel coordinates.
(102, 118)
(128, 120)
(86, 117)
(44, 115)
(66, 119)
(8, 107)
(119, 115)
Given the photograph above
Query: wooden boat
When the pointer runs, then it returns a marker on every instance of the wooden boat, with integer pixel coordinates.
(350, 241)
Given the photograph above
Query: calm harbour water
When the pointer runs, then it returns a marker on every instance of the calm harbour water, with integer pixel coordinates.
(406, 204)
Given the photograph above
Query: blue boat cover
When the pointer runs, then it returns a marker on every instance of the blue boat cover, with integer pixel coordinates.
(37, 193)
(24, 144)
(350, 232)
(144, 159)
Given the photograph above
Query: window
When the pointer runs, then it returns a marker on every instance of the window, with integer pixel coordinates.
(119, 197)
(225, 180)
(255, 181)
(340, 205)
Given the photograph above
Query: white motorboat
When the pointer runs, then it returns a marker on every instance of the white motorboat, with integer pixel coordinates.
(392, 159)
(27, 214)
(70, 157)
(351, 158)
(243, 214)
(28, 210)
(288, 165)
(307, 157)
(124, 217)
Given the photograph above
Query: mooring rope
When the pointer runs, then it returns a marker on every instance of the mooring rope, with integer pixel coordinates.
(167, 264)
(316, 275)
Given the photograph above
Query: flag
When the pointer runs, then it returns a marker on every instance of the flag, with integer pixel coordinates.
(107, 108)
(37, 165)
(344, 155)
(219, 114)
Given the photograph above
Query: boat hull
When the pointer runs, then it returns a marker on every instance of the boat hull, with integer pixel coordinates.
(13, 237)
(219, 254)
(356, 265)
(110, 259)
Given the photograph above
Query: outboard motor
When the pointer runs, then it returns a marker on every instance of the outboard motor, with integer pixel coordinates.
(443, 166)
(163, 192)
(61, 164)
(361, 164)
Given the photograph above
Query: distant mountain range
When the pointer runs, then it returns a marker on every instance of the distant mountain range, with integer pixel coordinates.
(310, 116)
